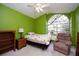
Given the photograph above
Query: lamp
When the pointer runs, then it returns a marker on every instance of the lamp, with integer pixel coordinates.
(21, 30)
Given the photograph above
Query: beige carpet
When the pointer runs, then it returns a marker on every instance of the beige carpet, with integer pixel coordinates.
(34, 51)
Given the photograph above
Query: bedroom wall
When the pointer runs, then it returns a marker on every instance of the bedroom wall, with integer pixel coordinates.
(13, 20)
(77, 19)
(75, 28)
(73, 32)
(77, 22)
(40, 25)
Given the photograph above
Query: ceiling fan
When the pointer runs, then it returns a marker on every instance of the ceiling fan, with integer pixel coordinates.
(39, 7)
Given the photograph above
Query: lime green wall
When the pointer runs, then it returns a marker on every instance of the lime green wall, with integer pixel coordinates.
(75, 28)
(40, 25)
(77, 22)
(77, 19)
(73, 32)
(13, 20)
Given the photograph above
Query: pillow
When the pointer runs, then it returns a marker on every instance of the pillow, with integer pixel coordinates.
(31, 33)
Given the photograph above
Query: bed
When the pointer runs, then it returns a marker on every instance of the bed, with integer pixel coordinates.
(40, 40)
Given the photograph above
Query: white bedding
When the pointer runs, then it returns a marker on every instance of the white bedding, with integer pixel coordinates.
(39, 38)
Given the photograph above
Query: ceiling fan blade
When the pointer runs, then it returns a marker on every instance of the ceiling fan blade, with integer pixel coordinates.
(37, 9)
(45, 5)
(41, 9)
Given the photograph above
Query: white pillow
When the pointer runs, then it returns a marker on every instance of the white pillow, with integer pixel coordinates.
(31, 33)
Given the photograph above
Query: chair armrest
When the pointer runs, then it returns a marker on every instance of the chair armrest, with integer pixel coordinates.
(56, 40)
(68, 43)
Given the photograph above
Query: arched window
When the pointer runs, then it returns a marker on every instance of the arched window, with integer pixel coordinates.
(58, 23)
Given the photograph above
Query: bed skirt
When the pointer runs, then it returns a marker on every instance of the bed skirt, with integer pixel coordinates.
(38, 45)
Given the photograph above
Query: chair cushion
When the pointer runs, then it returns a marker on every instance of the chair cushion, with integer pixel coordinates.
(61, 45)
(63, 36)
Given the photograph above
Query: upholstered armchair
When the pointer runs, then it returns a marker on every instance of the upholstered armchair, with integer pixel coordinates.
(63, 43)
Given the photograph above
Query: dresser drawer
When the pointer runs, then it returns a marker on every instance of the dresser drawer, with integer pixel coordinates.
(6, 43)
(22, 41)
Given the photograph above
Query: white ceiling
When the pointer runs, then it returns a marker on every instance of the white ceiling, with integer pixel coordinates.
(53, 8)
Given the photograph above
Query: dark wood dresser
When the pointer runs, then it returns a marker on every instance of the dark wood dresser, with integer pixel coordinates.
(77, 49)
(7, 41)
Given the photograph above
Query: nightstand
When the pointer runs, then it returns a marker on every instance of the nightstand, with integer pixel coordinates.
(20, 43)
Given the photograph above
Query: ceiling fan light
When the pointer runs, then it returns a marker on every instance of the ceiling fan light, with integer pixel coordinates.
(41, 9)
(37, 9)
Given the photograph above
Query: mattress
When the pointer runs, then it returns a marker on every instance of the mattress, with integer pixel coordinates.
(42, 39)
